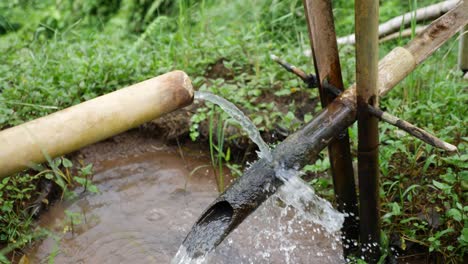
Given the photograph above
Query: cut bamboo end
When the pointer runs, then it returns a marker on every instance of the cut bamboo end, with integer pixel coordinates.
(291, 68)
(449, 147)
(70, 129)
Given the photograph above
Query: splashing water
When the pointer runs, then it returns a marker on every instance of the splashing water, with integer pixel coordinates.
(183, 258)
(279, 233)
(294, 192)
(300, 195)
(241, 118)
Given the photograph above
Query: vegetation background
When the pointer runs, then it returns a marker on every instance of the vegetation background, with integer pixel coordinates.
(57, 53)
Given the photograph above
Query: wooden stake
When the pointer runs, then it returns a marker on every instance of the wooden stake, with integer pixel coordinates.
(367, 58)
(324, 48)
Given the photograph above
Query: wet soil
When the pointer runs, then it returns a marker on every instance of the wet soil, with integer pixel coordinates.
(150, 195)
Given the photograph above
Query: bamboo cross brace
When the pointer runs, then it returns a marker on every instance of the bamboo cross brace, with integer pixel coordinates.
(311, 81)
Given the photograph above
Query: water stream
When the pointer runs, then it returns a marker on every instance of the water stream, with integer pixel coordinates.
(245, 122)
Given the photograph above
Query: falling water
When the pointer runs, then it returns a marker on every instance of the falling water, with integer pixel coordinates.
(241, 118)
(277, 232)
(294, 192)
(300, 195)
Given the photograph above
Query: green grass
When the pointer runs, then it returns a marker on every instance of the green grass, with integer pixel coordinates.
(59, 53)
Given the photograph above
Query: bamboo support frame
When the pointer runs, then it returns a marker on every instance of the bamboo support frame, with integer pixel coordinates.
(250, 190)
(367, 57)
(70, 129)
(319, 16)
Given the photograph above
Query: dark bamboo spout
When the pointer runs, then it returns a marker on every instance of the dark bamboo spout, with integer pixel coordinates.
(260, 181)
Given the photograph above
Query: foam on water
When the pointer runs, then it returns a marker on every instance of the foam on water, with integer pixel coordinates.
(278, 232)
(295, 192)
(183, 258)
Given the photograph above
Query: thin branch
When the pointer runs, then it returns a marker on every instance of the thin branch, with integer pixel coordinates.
(412, 130)
(293, 69)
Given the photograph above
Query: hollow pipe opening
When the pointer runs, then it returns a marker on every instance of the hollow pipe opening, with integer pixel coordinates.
(209, 230)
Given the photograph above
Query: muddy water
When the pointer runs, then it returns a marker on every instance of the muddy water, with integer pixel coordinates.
(148, 201)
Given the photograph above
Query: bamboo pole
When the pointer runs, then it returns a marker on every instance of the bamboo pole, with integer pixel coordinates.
(396, 23)
(319, 16)
(463, 50)
(70, 129)
(367, 58)
(437, 34)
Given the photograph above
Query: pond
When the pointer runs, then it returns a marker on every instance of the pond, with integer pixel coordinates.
(151, 193)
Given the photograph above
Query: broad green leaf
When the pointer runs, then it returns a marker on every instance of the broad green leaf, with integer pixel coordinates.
(455, 214)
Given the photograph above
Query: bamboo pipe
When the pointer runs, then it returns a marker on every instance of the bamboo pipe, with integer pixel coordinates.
(319, 17)
(70, 129)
